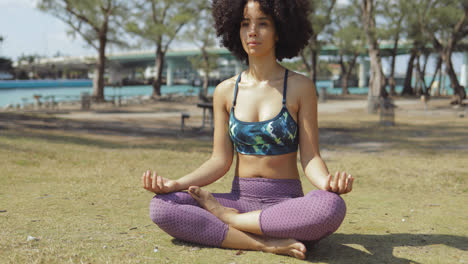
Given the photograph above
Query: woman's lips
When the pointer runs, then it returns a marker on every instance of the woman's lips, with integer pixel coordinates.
(253, 44)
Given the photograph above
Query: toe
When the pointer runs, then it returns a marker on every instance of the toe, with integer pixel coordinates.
(194, 190)
(297, 254)
(302, 248)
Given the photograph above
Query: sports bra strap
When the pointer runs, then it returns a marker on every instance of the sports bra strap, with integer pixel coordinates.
(285, 86)
(235, 91)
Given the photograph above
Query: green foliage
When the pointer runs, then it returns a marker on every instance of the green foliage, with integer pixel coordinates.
(90, 18)
(6, 64)
(320, 16)
(28, 59)
(393, 14)
(349, 36)
(202, 33)
(158, 22)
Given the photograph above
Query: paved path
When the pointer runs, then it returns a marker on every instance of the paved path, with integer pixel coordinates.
(337, 106)
(330, 106)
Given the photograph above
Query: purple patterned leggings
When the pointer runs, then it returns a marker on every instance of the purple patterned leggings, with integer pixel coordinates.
(286, 212)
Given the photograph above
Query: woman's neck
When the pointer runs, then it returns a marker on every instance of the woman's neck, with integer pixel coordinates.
(263, 69)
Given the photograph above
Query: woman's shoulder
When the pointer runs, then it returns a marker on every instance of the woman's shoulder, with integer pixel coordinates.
(225, 87)
(224, 91)
(300, 84)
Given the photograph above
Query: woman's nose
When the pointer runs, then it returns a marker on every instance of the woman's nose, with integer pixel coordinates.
(252, 30)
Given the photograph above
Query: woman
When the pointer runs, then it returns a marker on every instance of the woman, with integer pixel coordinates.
(265, 113)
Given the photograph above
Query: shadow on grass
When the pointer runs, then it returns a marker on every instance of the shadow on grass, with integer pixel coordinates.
(21, 121)
(335, 249)
(363, 136)
(16, 126)
(418, 137)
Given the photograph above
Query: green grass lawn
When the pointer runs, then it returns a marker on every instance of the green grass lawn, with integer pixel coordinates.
(79, 194)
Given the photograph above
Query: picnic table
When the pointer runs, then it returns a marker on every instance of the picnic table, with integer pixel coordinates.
(206, 118)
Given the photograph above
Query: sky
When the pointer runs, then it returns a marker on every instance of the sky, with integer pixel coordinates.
(27, 30)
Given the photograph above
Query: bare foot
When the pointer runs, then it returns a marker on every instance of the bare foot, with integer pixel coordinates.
(286, 246)
(207, 201)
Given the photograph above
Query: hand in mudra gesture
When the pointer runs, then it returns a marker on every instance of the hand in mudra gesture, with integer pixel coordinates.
(157, 184)
(341, 184)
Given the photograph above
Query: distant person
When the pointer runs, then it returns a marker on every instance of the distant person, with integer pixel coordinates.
(265, 114)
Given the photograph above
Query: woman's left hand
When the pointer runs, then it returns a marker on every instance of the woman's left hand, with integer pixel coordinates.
(341, 184)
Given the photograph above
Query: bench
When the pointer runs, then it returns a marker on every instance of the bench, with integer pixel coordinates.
(183, 116)
(207, 118)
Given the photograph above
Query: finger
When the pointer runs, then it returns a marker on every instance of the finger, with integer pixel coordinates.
(162, 184)
(153, 183)
(346, 184)
(350, 184)
(335, 182)
(159, 182)
(342, 183)
(329, 182)
(148, 179)
(143, 180)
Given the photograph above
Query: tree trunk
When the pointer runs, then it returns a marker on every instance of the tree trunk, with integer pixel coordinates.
(459, 93)
(391, 79)
(313, 58)
(159, 63)
(437, 92)
(417, 86)
(98, 82)
(346, 73)
(438, 66)
(377, 79)
(407, 89)
(344, 80)
(206, 67)
(423, 75)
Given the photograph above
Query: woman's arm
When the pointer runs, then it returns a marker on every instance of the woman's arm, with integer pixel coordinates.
(219, 162)
(314, 167)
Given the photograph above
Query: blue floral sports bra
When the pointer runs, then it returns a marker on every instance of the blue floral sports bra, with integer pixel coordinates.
(270, 137)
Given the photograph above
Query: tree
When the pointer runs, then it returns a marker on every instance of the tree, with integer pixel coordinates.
(446, 24)
(98, 22)
(394, 13)
(350, 40)
(6, 65)
(377, 79)
(203, 35)
(319, 18)
(157, 22)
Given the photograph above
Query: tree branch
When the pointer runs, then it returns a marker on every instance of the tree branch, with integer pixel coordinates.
(172, 38)
(69, 9)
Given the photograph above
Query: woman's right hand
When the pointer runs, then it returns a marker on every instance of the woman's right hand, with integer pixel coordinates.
(158, 184)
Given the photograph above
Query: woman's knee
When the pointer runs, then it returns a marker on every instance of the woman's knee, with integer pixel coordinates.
(331, 206)
(158, 209)
(162, 207)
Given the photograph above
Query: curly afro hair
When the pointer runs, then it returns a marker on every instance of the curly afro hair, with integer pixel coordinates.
(291, 23)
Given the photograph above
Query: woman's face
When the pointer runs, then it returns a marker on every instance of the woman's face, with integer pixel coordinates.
(257, 31)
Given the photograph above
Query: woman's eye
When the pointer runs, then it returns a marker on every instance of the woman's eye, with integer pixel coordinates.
(244, 24)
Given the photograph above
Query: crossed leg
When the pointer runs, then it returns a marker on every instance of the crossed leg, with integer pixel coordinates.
(276, 229)
(244, 229)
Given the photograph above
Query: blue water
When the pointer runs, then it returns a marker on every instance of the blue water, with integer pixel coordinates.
(45, 83)
(24, 95)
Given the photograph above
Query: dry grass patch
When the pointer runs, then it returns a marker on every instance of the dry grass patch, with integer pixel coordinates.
(79, 194)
